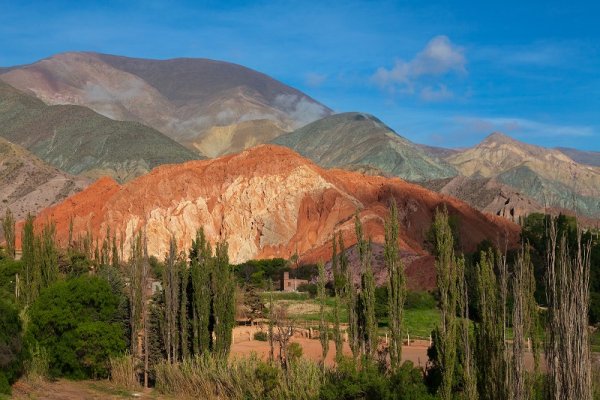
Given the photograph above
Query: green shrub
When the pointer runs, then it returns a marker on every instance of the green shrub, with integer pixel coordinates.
(419, 300)
(261, 336)
(368, 381)
(294, 352)
(13, 351)
(74, 321)
(309, 288)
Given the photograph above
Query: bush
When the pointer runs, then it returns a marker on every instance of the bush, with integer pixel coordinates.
(208, 377)
(367, 381)
(122, 372)
(74, 321)
(13, 351)
(294, 352)
(419, 300)
(309, 288)
(261, 336)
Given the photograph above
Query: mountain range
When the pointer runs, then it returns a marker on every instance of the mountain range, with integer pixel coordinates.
(78, 140)
(28, 184)
(284, 173)
(267, 201)
(183, 98)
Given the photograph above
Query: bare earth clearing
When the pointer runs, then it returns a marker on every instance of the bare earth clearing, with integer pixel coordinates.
(243, 346)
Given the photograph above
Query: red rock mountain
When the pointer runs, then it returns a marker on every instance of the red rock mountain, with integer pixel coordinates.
(266, 201)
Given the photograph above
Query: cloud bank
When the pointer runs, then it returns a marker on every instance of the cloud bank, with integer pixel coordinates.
(423, 74)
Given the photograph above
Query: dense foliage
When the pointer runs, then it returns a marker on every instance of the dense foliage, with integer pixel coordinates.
(13, 350)
(76, 321)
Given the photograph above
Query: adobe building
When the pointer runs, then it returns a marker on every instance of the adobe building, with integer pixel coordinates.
(291, 284)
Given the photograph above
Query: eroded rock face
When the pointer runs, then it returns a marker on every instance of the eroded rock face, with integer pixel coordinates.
(266, 201)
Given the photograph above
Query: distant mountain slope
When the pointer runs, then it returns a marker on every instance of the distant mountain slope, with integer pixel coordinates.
(80, 141)
(361, 141)
(28, 185)
(487, 195)
(582, 157)
(221, 140)
(546, 175)
(267, 202)
(182, 97)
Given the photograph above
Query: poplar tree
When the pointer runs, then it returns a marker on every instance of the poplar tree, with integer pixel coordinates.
(200, 273)
(223, 300)
(8, 226)
(47, 258)
(367, 322)
(271, 316)
(446, 274)
(396, 285)
(490, 331)
(184, 326)
(466, 354)
(323, 325)
(171, 298)
(351, 298)
(524, 324)
(31, 278)
(568, 295)
(338, 293)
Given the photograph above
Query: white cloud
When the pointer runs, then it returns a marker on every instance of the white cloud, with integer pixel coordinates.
(432, 94)
(299, 108)
(440, 57)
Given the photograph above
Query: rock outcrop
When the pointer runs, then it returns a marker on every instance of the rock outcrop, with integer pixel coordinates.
(266, 201)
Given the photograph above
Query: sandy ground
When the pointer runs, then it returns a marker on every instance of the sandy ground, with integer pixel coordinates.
(74, 390)
(244, 345)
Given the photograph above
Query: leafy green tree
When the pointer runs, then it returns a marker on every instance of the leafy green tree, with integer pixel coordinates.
(396, 285)
(367, 321)
(223, 286)
(8, 226)
(201, 265)
(490, 332)
(31, 276)
(323, 325)
(13, 350)
(446, 273)
(76, 321)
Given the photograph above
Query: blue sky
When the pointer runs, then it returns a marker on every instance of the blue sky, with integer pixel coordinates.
(442, 73)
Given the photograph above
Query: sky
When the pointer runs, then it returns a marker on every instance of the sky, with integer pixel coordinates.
(443, 73)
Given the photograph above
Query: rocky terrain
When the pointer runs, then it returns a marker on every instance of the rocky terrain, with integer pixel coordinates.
(79, 141)
(357, 140)
(547, 176)
(582, 157)
(182, 98)
(27, 184)
(267, 201)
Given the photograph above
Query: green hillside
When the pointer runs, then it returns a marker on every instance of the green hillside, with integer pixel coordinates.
(356, 140)
(79, 141)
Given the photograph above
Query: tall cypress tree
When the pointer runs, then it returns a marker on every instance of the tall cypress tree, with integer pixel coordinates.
(223, 300)
(338, 288)
(396, 285)
(171, 299)
(48, 256)
(351, 299)
(446, 274)
(323, 325)
(367, 322)
(30, 279)
(489, 332)
(201, 266)
(8, 225)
